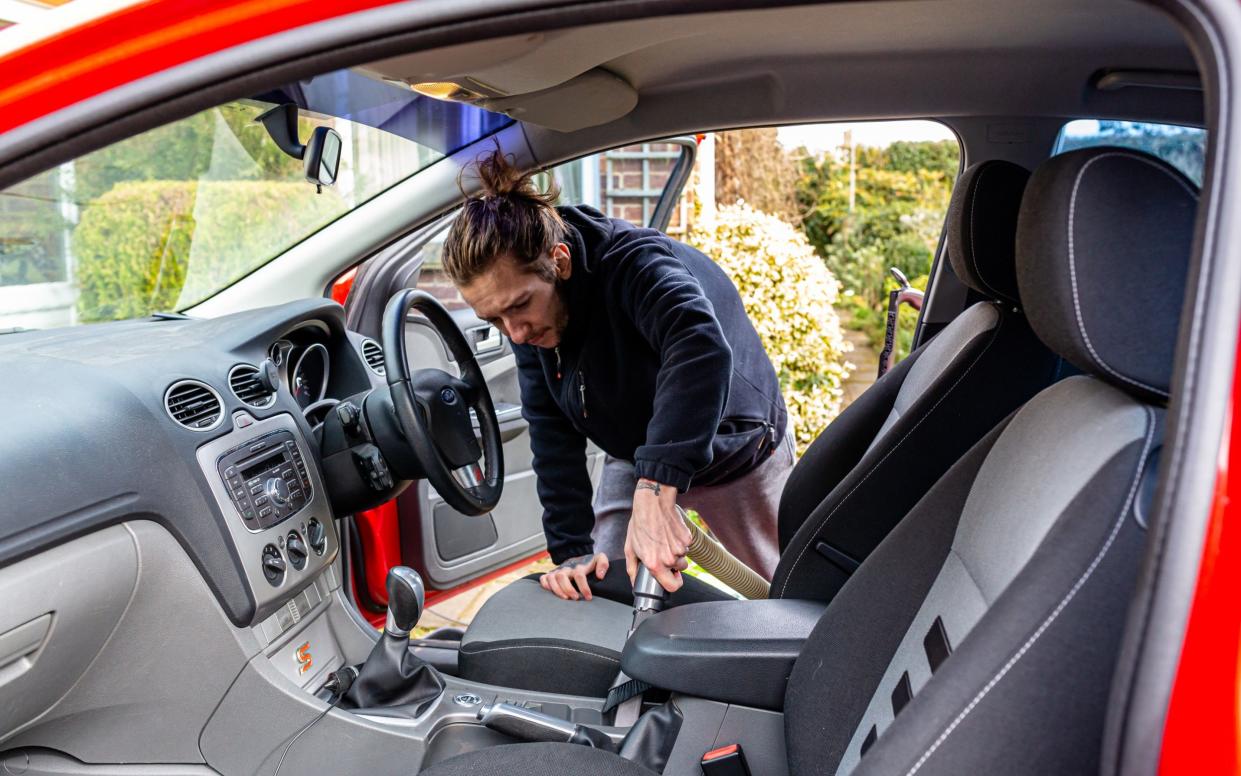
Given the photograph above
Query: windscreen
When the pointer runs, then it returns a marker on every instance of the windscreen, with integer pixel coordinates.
(163, 220)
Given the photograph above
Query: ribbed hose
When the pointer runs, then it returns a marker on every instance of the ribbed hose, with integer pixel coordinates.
(722, 564)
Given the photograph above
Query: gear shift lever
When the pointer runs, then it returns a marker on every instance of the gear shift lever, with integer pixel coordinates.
(392, 674)
(405, 600)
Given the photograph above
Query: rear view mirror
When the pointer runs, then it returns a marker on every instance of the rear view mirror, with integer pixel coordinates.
(322, 156)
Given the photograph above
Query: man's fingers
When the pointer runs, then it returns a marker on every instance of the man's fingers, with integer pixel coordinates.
(681, 564)
(631, 562)
(561, 587)
(543, 582)
(601, 566)
(680, 531)
(579, 578)
(667, 579)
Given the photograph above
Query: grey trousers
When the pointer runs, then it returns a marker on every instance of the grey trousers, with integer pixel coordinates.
(741, 513)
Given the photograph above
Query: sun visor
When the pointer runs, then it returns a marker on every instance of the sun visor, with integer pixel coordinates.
(592, 98)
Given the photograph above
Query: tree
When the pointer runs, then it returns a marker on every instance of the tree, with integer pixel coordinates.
(751, 166)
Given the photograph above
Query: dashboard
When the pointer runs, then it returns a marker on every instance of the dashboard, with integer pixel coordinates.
(210, 427)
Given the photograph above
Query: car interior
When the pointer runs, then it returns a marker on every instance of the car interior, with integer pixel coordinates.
(980, 557)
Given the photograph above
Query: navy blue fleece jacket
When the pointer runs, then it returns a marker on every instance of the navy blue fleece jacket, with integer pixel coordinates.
(659, 365)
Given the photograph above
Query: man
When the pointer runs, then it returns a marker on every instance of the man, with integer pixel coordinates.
(641, 344)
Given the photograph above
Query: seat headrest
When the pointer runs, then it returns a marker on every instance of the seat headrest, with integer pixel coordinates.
(1103, 246)
(982, 224)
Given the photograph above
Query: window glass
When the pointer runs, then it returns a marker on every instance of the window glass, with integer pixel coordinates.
(1182, 147)
(165, 219)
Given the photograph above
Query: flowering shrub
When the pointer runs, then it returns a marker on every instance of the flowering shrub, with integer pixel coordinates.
(788, 293)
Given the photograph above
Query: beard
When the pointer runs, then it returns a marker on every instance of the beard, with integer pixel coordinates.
(560, 311)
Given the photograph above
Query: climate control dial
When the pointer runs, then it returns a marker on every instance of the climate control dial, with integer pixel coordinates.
(273, 564)
(296, 548)
(316, 535)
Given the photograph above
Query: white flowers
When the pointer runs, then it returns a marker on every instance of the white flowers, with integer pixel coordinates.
(788, 293)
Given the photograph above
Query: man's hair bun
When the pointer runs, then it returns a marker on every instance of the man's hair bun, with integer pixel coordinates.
(509, 216)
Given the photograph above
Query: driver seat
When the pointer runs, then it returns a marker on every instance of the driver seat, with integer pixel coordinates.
(851, 487)
(984, 633)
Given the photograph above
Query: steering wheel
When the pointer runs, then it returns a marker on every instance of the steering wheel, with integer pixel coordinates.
(433, 409)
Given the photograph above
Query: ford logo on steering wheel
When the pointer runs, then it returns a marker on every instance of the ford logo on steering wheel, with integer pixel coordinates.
(448, 395)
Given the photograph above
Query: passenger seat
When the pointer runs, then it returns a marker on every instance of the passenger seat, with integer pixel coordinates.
(983, 635)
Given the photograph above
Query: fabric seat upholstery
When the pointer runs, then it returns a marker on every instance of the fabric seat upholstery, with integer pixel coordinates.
(983, 634)
(863, 473)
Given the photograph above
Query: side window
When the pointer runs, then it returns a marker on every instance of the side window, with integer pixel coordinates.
(1182, 147)
(626, 183)
(432, 278)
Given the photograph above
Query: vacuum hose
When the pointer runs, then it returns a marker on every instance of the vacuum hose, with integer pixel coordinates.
(722, 564)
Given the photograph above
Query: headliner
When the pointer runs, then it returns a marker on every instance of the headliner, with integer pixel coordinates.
(845, 60)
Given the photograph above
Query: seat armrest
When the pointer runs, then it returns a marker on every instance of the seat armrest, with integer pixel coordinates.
(730, 651)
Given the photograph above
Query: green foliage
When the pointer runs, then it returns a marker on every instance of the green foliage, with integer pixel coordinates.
(186, 149)
(788, 294)
(900, 196)
(873, 321)
(142, 247)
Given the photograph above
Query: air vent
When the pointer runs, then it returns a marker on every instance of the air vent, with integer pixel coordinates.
(374, 355)
(244, 380)
(194, 405)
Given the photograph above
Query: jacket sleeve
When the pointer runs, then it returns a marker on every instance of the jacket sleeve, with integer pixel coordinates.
(669, 308)
(559, 463)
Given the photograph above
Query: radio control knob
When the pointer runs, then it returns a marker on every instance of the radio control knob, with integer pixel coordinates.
(277, 490)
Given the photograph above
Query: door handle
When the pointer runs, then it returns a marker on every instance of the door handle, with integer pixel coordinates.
(489, 339)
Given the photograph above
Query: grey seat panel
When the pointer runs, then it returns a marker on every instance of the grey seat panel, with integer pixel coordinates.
(524, 610)
(525, 636)
(938, 356)
(1053, 447)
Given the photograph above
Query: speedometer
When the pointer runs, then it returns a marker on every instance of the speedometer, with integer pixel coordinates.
(308, 380)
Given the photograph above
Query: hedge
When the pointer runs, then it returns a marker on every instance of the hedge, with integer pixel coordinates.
(162, 245)
(788, 293)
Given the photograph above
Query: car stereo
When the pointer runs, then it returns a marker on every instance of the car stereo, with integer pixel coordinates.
(266, 479)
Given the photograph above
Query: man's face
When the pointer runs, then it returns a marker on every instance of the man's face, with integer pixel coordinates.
(524, 306)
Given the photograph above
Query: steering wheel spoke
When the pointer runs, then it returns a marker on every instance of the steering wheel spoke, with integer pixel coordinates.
(433, 410)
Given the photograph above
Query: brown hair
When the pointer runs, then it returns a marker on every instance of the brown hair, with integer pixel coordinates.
(509, 216)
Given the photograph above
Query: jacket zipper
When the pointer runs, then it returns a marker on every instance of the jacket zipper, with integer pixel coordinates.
(581, 384)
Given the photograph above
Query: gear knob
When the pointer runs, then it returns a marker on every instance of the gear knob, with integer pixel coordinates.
(405, 599)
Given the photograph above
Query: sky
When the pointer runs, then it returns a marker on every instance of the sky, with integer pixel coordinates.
(824, 137)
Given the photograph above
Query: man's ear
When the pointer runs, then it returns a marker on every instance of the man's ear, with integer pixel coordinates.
(562, 260)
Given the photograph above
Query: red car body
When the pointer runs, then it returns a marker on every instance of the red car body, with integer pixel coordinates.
(147, 38)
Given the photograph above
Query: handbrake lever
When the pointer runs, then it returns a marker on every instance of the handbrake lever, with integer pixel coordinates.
(535, 726)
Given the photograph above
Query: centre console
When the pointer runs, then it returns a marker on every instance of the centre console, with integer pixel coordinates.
(264, 481)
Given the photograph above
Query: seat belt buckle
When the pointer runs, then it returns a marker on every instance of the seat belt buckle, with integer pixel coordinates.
(725, 761)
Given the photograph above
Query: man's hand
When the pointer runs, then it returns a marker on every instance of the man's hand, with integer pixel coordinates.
(561, 579)
(657, 538)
